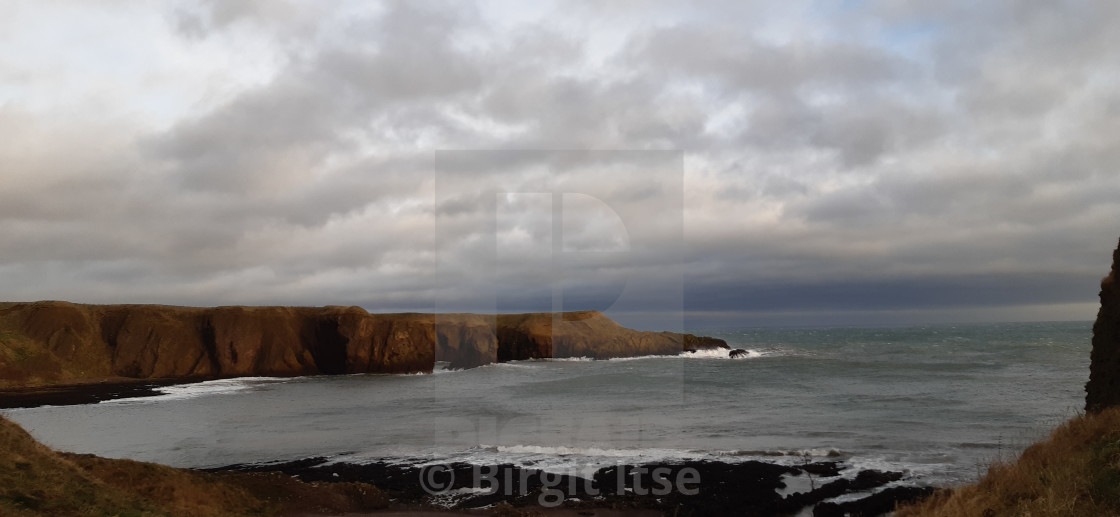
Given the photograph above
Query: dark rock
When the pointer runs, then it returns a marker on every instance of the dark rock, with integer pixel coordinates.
(824, 469)
(865, 480)
(738, 352)
(879, 503)
(1103, 388)
(747, 488)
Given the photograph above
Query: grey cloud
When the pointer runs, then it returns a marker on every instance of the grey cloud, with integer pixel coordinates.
(203, 18)
(814, 164)
(739, 63)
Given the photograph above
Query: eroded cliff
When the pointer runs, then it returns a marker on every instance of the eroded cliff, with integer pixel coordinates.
(1103, 389)
(46, 343)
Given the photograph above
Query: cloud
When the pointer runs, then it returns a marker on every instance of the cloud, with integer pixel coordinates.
(291, 152)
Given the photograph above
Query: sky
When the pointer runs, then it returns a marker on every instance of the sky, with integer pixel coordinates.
(706, 164)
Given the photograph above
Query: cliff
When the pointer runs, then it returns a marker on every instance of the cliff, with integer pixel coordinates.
(46, 343)
(1103, 388)
(585, 334)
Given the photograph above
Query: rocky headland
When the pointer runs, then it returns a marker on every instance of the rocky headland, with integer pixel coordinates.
(60, 343)
(1103, 388)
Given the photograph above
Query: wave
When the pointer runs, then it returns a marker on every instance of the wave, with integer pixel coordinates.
(201, 389)
(511, 364)
(585, 461)
(708, 353)
(719, 353)
(570, 459)
(441, 367)
(799, 453)
(588, 451)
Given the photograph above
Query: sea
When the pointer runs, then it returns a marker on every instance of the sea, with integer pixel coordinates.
(938, 403)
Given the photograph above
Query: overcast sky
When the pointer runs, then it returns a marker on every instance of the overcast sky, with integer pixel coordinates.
(791, 163)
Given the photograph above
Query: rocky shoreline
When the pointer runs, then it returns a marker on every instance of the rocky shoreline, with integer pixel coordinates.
(689, 488)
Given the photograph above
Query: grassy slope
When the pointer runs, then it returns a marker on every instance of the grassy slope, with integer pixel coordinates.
(34, 480)
(1075, 472)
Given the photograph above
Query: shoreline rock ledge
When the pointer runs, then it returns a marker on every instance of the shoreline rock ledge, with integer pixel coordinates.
(60, 343)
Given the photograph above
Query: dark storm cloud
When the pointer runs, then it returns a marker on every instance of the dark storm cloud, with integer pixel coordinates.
(970, 291)
(876, 156)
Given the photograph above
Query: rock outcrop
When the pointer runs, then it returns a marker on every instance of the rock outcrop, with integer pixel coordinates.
(585, 334)
(63, 343)
(1103, 389)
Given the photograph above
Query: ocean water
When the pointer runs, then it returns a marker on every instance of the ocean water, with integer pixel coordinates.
(937, 402)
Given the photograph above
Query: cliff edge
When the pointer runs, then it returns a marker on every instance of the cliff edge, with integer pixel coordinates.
(54, 343)
(35, 480)
(1103, 388)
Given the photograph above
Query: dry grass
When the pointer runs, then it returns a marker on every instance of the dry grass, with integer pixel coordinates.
(1075, 472)
(34, 480)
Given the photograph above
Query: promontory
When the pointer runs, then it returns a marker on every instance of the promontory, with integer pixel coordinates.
(61, 343)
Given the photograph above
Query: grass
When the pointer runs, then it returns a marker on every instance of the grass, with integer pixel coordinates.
(35, 480)
(1075, 472)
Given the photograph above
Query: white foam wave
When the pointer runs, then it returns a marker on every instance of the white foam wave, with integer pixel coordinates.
(798, 454)
(555, 459)
(706, 353)
(720, 353)
(929, 471)
(200, 389)
(585, 461)
(512, 364)
(453, 497)
(593, 452)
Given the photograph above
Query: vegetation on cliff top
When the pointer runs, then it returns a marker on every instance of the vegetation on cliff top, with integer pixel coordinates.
(35, 480)
(1075, 472)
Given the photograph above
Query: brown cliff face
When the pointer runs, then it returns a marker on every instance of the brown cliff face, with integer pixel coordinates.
(63, 343)
(466, 340)
(692, 342)
(1103, 389)
(59, 342)
(585, 334)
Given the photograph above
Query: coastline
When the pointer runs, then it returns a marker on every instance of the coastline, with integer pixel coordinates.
(534, 372)
(86, 393)
(47, 482)
(50, 343)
